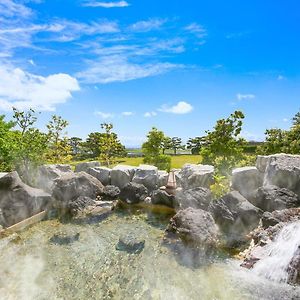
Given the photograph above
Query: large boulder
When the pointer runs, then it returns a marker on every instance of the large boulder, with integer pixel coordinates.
(261, 163)
(133, 193)
(162, 197)
(83, 167)
(121, 175)
(101, 173)
(236, 217)
(270, 198)
(196, 227)
(70, 186)
(19, 201)
(283, 170)
(110, 192)
(162, 178)
(146, 175)
(192, 176)
(198, 197)
(246, 181)
(46, 175)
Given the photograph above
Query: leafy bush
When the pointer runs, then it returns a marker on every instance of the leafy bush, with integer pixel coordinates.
(221, 186)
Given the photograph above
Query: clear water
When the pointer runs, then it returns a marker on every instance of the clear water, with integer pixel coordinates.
(31, 267)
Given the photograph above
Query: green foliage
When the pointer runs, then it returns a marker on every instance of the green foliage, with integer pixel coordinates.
(76, 145)
(109, 145)
(223, 147)
(220, 187)
(195, 144)
(176, 144)
(153, 149)
(59, 149)
(166, 144)
(91, 147)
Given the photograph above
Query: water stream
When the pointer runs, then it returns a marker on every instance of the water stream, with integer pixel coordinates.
(32, 267)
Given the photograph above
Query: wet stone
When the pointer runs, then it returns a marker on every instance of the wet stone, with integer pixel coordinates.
(130, 244)
(63, 239)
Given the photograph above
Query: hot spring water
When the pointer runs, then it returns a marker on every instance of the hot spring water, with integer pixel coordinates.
(32, 266)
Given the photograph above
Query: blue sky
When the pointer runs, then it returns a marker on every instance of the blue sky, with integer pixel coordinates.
(177, 65)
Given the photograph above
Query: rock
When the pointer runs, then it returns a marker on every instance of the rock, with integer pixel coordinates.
(19, 201)
(63, 239)
(236, 217)
(110, 192)
(270, 198)
(77, 206)
(293, 269)
(71, 186)
(121, 175)
(133, 193)
(192, 176)
(162, 178)
(196, 198)
(130, 244)
(46, 175)
(280, 216)
(261, 163)
(246, 181)
(2, 174)
(196, 227)
(283, 170)
(146, 175)
(163, 198)
(83, 167)
(101, 173)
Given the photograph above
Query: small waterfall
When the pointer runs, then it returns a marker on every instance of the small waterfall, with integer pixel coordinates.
(279, 254)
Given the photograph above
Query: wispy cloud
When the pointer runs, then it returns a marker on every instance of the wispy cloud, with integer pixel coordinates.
(148, 25)
(11, 9)
(150, 114)
(104, 115)
(118, 68)
(103, 4)
(245, 96)
(236, 35)
(25, 90)
(181, 107)
(196, 29)
(127, 113)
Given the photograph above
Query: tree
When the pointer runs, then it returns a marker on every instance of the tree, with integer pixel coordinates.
(176, 144)
(223, 147)
(274, 143)
(75, 144)
(92, 144)
(166, 144)
(109, 145)
(59, 148)
(195, 144)
(153, 149)
(296, 119)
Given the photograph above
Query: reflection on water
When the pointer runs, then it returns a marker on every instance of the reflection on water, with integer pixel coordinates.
(90, 267)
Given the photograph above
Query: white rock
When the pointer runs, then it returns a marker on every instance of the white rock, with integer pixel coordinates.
(2, 174)
(101, 173)
(120, 175)
(83, 167)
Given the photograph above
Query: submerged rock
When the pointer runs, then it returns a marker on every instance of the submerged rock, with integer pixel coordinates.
(121, 175)
(130, 244)
(83, 167)
(101, 173)
(133, 193)
(196, 198)
(236, 217)
(63, 239)
(195, 227)
(19, 201)
(162, 197)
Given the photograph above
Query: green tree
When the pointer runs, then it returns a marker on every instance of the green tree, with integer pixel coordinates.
(223, 147)
(166, 144)
(176, 144)
(75, 144)
(275, 142)
(59, 148)
(109, 145)
(153, 149)
(195, 144)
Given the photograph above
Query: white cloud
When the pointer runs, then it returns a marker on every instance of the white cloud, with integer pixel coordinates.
(118, 68)
(280, 77)
(196, 29)
(150, 114)
(106, 4)
(11, 9)
(285, 119)
(104, 115)
(127, 113)
(25, 90)
(181, 107)
(31, 61)
(245, 96)
(145, 26)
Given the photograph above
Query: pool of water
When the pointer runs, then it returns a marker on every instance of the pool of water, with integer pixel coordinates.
(90, 267)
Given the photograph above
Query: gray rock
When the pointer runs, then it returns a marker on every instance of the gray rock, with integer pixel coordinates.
(162, 178)
(101, 173)
(196, 198)
(236, 217)
(80, 204)
(283, 170)
(280, 216)
(71, 186)
(133, 193)
(110, 192)
(192, 176)
(270, 198)
(261, 163)
(2, 174)
(130, 244)
(146, 175)
(19, 201)
(121, 175)
(46, 175)
(64, 239)
(246, 181)
(162, 197)
(196, 227)
(83, 167)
